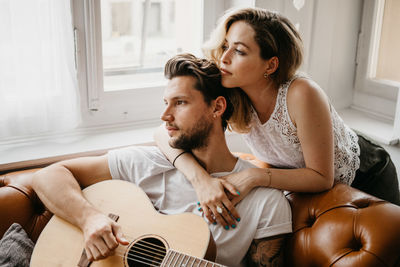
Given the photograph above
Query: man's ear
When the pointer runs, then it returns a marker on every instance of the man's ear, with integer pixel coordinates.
(219, 106)
(272, 65)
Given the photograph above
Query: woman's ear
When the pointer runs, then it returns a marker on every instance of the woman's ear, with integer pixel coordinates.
(219, 106)
(272, 65)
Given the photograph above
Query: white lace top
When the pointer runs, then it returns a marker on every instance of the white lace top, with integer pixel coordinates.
(277, 143)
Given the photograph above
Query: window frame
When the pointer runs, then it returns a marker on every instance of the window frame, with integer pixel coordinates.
(374, 96)
(136, 106)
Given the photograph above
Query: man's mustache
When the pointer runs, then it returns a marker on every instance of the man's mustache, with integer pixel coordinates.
(171, 125)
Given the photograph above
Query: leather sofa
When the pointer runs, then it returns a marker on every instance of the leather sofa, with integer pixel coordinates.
(339, 227)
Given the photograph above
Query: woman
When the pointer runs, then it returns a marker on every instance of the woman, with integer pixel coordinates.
(286, 120)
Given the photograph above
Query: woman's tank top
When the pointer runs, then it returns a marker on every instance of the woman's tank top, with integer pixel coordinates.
(276, 141)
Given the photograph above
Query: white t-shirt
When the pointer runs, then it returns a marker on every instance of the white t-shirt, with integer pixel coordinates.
(264, 212)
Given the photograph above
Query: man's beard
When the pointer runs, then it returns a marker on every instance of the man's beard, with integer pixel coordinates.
(195, 138)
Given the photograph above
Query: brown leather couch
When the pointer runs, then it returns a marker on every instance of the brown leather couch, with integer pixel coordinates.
(339, 227)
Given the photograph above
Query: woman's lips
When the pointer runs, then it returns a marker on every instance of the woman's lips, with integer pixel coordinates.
(225, 72)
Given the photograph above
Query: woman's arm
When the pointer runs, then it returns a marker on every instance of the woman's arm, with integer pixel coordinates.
(310, 112)
(309, 109)
(210, 191)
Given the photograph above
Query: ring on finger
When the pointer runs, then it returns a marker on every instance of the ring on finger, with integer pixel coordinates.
(219, 209)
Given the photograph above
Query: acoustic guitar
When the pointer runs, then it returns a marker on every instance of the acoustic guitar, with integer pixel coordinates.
(182, 240)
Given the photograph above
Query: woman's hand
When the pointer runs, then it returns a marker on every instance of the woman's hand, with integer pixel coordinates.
(243, 181)
(215, 203)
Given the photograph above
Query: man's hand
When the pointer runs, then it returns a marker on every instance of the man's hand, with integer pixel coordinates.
(101, 236)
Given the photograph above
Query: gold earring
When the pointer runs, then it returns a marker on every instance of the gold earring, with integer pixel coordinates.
(265, 75)
(215, 116)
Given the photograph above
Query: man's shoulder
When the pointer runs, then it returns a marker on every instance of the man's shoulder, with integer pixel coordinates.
(142, 153)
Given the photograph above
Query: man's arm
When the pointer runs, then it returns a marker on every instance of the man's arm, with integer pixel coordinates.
(59, 187)
(266, 252)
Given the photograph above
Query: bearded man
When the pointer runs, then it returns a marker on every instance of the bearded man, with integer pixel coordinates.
(195, 115)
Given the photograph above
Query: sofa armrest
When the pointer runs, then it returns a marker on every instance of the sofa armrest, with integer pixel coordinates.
(20, 204)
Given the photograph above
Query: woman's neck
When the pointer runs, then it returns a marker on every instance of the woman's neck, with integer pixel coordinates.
(263, 98)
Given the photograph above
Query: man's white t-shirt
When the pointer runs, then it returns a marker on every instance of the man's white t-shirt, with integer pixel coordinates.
(264, 212)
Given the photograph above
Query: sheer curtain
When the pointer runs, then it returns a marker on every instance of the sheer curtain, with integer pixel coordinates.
(38, 85)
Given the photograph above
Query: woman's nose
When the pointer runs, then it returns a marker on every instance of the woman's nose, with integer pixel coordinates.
(226, 58)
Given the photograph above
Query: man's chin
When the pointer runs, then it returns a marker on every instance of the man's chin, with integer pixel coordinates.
(172, 142)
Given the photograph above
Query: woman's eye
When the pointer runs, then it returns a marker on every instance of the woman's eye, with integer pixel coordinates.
(239, 52)
(224, 47)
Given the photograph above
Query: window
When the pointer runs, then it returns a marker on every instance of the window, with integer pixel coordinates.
(376, 82)
(375, 91)
(138, 37)
(122, 47)
(388, 62)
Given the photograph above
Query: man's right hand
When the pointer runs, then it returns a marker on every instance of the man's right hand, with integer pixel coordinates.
(101, 236)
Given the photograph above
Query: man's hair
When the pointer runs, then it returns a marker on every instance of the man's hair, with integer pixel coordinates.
(208, 79)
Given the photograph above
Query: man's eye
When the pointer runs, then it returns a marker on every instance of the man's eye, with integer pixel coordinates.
(180, 102)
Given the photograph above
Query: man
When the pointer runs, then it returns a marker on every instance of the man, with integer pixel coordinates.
(195, 115)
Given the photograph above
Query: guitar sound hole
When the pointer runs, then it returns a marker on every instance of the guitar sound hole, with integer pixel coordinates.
(146, 252)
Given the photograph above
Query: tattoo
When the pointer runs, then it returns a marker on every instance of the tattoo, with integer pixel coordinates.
(266, 252)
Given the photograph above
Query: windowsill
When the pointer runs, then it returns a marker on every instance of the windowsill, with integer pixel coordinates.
(44, 152)
(378, 130)
(92, 142)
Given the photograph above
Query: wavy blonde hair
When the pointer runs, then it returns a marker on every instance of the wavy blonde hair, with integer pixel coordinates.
(275, 35)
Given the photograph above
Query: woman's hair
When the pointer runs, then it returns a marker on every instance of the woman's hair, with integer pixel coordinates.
(208, 79)
(275, 35)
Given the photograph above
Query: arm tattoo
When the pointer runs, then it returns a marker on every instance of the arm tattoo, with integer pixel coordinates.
(266, 252)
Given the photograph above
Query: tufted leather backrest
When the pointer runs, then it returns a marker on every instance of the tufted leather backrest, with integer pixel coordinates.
(343, 227)
(340, 227)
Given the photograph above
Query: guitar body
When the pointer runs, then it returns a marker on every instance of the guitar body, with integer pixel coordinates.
(152, 236)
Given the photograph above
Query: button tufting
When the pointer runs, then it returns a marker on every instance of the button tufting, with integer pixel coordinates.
(362, 203)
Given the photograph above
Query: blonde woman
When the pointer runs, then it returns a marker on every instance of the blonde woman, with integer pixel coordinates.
(286, 120)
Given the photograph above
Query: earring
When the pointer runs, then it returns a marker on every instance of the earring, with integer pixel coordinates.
(265, 75)
(214, 116)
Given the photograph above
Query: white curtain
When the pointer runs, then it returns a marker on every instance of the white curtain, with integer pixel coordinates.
(38, 85)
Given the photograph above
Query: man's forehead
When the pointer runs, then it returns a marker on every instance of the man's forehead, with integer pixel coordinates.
(182, 86)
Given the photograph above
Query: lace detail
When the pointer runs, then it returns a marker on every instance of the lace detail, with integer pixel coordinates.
(276, 141)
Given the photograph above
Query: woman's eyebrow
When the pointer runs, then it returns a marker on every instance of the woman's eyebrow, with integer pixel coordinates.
(241, 43)
(237, 43)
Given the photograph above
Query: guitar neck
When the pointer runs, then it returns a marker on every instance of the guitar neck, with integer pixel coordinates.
(174, 258)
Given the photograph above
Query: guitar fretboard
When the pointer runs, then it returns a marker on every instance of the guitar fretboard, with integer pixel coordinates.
(174, 258)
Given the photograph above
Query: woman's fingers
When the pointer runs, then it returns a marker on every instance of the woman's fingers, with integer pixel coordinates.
(232, 212)
(218, 214)
(207, 213)
(230, 188)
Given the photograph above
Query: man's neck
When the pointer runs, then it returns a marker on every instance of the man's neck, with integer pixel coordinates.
(216, 157)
